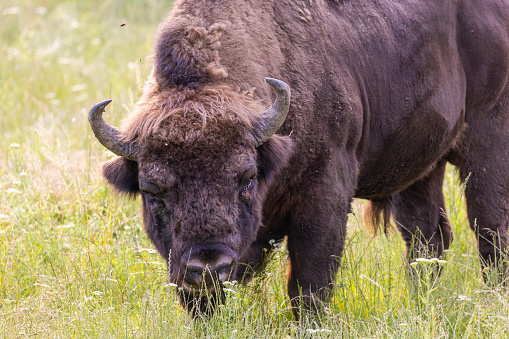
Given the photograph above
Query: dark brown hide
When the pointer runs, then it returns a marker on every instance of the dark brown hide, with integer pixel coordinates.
(384, 94)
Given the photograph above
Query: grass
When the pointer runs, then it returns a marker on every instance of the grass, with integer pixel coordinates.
(75, 261)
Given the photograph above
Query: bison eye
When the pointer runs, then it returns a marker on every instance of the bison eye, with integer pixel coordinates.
(244, 192)
(246, 183)
(150, 189)
(151, 195)
(249, 184)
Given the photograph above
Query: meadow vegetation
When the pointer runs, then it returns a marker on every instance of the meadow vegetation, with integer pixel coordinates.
(75, 262)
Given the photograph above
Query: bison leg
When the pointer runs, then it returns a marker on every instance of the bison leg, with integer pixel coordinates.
(419, 214)
(316, 237)
(483, 161)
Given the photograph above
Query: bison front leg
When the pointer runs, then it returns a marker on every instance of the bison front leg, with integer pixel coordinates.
(487, 195)
(316, 237)
(483, 160)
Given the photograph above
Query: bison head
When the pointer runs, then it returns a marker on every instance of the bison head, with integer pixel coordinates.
(202, 184)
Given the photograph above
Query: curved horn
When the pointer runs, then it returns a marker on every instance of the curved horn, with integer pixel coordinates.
(275, 116)
(108, 135)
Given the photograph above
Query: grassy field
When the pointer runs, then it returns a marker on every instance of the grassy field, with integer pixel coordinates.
(75, 262)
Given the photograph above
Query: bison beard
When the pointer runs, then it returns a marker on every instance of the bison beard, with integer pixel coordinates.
(384, 95)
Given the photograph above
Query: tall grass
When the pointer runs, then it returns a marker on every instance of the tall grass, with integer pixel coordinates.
(75, 262)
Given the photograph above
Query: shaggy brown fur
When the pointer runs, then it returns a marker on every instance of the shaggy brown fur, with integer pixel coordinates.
(377, 214)
(209, 102)
(384, 94)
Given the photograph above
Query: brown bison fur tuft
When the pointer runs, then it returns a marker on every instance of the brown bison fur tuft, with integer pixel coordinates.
(211, 102)
(190, 57)
(377, 214)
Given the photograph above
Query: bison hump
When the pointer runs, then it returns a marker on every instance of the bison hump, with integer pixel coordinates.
(189, 56)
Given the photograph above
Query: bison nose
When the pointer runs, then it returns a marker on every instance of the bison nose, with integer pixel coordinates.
(198, 273)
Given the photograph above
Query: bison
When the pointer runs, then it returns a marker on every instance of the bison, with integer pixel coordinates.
(384, 94)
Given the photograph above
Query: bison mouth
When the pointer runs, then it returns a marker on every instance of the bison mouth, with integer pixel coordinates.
(201, 301)
(208, 285)
(202, 271)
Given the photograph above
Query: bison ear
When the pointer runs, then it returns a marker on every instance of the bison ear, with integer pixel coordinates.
(122, 174)
(273, 156)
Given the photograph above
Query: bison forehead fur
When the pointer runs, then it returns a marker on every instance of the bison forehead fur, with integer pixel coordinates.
(384, 95)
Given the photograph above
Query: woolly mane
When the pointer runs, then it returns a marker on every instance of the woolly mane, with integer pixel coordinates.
(207, 102)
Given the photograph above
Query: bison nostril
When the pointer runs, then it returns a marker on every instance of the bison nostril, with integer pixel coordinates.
(194, 274)
(223, 271)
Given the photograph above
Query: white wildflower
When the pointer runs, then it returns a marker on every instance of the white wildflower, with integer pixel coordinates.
(80, 87)
(82, 97)
(14, 145)
(13, 191)
(149, 250)
(66, 61)
(11, 10)
(40, 10)
(69, 225)
(424, 260)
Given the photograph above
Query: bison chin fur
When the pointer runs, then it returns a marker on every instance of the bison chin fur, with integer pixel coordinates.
(202, 305)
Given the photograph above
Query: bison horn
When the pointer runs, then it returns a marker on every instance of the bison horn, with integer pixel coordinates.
(275, 116)
(108, 135)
